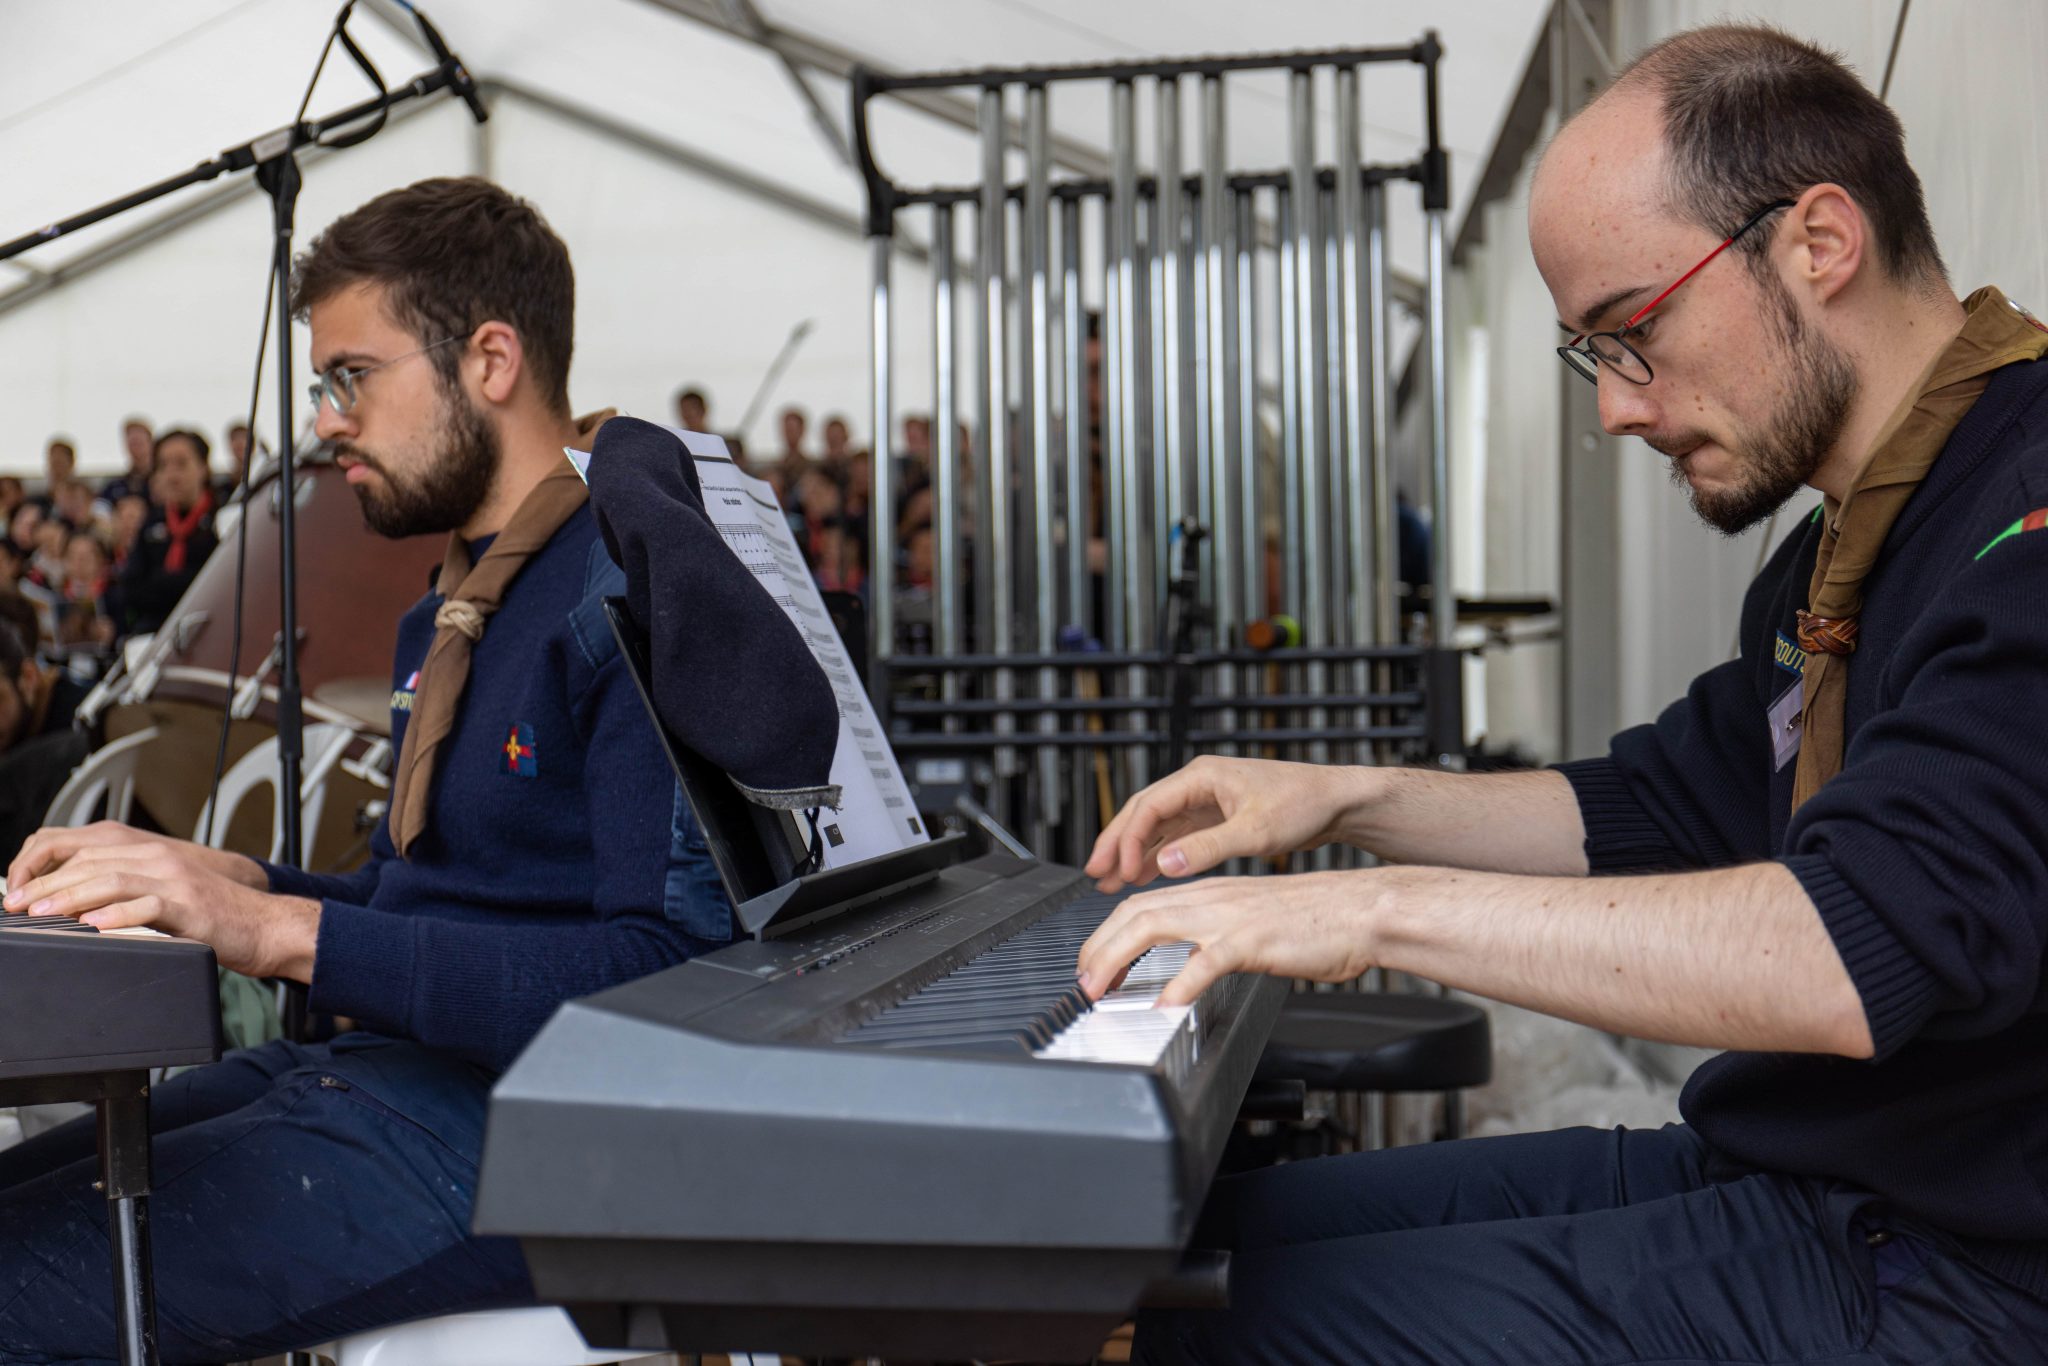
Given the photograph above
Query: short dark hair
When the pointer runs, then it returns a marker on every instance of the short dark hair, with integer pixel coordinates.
(454, 253)
(199, 444)
(695, 396)
(1753, 114)
(64, 444)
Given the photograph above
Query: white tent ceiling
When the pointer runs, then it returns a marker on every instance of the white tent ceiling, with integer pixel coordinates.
(706, 210)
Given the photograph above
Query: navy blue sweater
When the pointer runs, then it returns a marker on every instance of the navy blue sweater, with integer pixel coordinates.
(559, 856)
(1927, 855)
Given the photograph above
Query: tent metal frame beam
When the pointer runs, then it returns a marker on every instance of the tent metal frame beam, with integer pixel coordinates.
(748, 19)
(804, 51)
(821, 212)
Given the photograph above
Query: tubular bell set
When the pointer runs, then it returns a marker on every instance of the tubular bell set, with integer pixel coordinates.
(1057, 687)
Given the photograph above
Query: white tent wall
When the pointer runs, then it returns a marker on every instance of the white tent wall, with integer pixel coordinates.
(170, 331)
(681, 278)
(1969, 79)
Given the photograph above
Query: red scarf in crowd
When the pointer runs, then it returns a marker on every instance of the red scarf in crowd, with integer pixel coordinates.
(181, 525)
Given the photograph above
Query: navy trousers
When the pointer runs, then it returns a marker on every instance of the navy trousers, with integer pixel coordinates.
(1575, 1248)
(300, 1193)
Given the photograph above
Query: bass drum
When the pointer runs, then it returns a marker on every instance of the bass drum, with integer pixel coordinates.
(353, 585)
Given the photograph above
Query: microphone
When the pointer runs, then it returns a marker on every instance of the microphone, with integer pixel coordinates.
(458, 74)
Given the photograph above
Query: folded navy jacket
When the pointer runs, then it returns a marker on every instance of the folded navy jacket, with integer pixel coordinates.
(732, 676)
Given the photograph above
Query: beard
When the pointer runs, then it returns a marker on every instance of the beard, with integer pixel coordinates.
(448, 491)
(1782, 454)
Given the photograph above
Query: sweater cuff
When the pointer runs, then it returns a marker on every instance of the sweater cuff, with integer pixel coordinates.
(1621, 837)
(1897, 989)
(288, 881)
(363, 967)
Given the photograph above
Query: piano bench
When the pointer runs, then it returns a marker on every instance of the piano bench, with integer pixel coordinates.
(1378, 1041)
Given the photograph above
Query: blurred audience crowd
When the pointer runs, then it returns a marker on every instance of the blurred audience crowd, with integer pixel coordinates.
(85, 564)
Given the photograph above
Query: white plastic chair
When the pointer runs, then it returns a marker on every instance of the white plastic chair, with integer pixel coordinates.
(324, 744)
(108, 772)
(541, 1336)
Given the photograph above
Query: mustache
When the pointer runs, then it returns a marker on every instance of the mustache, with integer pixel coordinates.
(1671, 447)
(361, 457)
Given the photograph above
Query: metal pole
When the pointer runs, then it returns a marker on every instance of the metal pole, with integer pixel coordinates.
(1131, 549)
(1443, 598)
(1079, 419)
(1386, 622)
(1218, 446)
(1038, 416)
(1362, 533)
(1083, 437)
(947, 628)
(1170, 309)
(1251, 531)
(1386, 568)
(1250, 465)
(1117, 381)
(1290, 412)
(992, 466)
(1312, 368)
(882, 595)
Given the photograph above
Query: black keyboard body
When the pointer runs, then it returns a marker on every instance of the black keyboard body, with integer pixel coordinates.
(751, 1151)
(74, 1001)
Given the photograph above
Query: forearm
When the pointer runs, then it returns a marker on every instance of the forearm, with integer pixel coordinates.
(1732, 958)
(1500, 822)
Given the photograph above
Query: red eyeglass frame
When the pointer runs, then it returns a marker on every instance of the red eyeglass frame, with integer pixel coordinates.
(1581, 345)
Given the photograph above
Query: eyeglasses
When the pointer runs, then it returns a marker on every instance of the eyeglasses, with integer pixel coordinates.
(1588, 351)
(337, 383)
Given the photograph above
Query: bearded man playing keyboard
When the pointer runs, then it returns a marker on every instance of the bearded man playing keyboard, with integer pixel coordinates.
(1828, 857)
(307, 1192)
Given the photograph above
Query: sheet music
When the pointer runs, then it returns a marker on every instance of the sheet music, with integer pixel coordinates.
(876, 814)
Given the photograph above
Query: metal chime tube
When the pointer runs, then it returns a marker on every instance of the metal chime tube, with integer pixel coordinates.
(1443, 608)
(1386, 604)
(1079, 823)
(1362, 533)
(1290, 414)
(1116, 344)
(1251, 529)
(948, 624)
(1170, 461)
(1337, 469)
(1219, 331)
(1128, 547)
(1386, 564)
(1043, 603)
(993, 527)
(882, 637)
(1312, 373)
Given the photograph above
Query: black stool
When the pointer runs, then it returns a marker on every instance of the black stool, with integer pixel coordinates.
(1376, 1041)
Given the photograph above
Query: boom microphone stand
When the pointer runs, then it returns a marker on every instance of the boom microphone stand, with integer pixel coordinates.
(273, 157)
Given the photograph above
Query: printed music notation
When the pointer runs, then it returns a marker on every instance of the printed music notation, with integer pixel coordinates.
(877, 813)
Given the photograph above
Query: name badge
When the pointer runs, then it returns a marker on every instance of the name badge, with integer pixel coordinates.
(1785, 724)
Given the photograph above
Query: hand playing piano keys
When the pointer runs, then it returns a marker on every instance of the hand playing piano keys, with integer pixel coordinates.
(111, 876)
(1313, 925)
(1217, 809)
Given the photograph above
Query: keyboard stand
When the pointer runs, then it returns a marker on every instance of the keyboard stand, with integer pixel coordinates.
(122, 1101)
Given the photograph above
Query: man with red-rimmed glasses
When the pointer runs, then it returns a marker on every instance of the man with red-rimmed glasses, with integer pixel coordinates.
(1827, 859)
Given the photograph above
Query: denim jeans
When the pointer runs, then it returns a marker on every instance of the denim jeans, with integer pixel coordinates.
(299, 1193)
(1575, 1248)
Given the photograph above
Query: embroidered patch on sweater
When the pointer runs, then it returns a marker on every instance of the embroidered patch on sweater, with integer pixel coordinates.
(520, 758)
(2033, 521)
